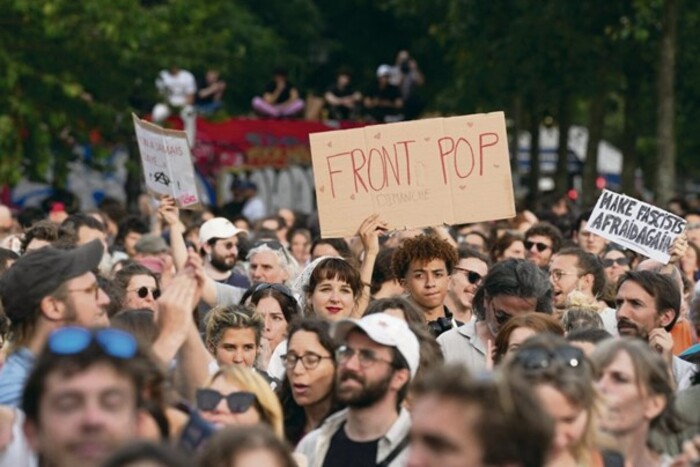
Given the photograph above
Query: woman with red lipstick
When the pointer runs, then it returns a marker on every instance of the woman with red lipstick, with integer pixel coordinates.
(307, 391)
(332, 289)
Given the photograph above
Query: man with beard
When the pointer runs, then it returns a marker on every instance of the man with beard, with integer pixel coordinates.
(648, 305)
(45, 290)
(376, 361)
(219, 240)
(573, 269)
(511, 288)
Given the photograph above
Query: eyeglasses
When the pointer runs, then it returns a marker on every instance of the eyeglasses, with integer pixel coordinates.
(557, 274)
(623, 261)
(238, 402)
(309, 360)
(72, 340)
(142, 292)
(540, 246)
(230, 245)
(366, 357)
(535, 360)
(94, 289)
(278, 287)
(472, 277)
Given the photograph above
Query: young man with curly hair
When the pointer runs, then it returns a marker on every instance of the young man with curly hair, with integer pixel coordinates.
(423, 266)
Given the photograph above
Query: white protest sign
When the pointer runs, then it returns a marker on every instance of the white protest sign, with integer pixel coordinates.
(415, 174)
(635, 224)
(167, 163)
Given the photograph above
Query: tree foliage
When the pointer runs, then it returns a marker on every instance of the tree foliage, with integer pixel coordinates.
(71, 70)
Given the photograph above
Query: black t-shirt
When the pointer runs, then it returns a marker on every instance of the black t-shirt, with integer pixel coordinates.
(284, 95)
(388, 92)
(344, 452)
(345, 92)
(237, 280)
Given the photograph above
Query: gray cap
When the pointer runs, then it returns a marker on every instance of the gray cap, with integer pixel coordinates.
(40, 272)
(151, 245)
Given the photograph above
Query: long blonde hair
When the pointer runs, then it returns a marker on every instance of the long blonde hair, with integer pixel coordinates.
(249, 380)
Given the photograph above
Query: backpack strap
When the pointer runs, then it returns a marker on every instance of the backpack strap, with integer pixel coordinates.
(398, 449)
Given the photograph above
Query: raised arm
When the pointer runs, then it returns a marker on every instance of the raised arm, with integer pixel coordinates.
(369, 232)
(170, 214)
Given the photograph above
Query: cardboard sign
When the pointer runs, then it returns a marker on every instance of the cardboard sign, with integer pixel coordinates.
(415, 174)
(635, 224)
(167, 163)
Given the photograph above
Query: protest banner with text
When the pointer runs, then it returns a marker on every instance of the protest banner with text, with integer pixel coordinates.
(635, 224)
(167, 163)
(415, 174)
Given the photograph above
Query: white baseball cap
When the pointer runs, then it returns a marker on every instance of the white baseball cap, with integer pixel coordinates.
(386, 330)
(383, 70)
(218, 227)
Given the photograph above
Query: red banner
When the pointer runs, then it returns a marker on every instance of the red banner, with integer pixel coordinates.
(246, 144)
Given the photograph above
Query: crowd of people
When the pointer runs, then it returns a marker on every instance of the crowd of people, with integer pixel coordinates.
(180, 338)
(392, 97)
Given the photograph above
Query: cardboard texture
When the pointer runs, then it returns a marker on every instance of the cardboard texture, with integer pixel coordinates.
(167, 163)
(635, 224)
(415, 174)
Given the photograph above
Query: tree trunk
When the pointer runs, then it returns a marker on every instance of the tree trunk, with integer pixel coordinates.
(133, 176)
(561, 177)
(534, 179)
(666, 151)
(513, 142)
(629, 137)
(595, 134)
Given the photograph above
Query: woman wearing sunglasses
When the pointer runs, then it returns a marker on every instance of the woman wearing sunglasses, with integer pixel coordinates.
(237, 395)
(307, 391)
(139, 286)
(562, 379)
(638, 397)
(616, 263)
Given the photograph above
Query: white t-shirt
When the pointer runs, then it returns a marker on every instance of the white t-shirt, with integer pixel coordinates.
(176, 88)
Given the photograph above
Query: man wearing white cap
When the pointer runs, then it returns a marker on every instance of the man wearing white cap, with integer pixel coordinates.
(219, 240)
(376, 361)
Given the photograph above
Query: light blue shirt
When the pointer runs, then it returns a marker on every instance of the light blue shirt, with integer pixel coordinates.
(13, 376)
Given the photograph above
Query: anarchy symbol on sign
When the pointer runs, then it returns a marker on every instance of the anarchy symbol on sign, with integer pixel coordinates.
(161, 177)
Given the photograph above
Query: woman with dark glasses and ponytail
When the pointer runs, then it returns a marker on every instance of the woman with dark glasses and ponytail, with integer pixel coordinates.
(562, 379)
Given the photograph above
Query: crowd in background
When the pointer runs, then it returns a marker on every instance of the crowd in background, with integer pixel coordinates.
(235, 337)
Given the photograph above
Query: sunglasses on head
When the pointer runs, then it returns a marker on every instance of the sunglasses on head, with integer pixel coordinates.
(624, 261)
(540, 246)
(278, 287)
(143, 292)
(534, 360)
(472, 277)
(72, 340)
(238, 402)
(271, 244)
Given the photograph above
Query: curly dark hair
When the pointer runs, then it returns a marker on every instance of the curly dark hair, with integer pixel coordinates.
(545, 229)
(422, 248)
